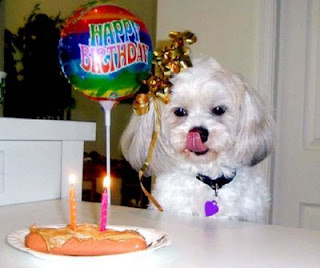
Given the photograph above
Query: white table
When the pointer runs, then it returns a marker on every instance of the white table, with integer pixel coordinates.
(196, 242)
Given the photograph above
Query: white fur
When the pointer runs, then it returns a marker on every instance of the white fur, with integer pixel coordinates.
(238, 139)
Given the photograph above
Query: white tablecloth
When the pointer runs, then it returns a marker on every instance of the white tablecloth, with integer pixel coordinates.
(196, 242)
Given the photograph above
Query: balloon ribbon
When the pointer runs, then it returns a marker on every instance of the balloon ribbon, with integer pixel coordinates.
(146, 164)
(169, 61)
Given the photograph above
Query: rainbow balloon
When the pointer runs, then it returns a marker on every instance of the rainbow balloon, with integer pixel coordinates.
(105, 52)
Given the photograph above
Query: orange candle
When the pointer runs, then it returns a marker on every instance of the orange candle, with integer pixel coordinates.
(72, 203)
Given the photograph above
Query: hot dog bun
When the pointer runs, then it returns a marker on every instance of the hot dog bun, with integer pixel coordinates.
(85, 240)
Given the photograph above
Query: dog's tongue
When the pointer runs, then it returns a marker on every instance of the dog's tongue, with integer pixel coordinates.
(194, 143)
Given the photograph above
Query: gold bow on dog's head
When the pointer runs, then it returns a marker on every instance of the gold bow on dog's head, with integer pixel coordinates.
(170, 60)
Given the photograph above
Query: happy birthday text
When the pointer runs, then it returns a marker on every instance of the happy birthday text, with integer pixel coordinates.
(112, 46)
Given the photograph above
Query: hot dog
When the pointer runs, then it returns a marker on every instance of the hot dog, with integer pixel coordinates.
(85, 240)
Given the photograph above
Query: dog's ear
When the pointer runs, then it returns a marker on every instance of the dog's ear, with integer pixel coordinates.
(255, 130)
(136, 139)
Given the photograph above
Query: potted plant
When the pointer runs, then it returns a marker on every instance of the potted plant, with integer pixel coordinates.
(35, 85)
(2, 85)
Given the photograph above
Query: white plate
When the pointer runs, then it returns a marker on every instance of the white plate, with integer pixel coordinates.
(155, 240)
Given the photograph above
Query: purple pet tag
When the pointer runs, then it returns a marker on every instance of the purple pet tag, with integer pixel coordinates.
(211, 208)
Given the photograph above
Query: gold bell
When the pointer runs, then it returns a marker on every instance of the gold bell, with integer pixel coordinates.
(141, 104)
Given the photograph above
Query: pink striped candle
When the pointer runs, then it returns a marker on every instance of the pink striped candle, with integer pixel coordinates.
(104, 205)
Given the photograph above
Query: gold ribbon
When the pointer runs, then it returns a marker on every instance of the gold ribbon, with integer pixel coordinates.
(170, 60)
(146, 164)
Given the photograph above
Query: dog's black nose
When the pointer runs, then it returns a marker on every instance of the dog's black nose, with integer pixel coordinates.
(204, 133)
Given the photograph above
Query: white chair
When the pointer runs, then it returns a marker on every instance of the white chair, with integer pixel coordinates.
(38, 156)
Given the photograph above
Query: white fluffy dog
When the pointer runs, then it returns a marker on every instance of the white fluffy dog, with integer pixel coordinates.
(213, 131)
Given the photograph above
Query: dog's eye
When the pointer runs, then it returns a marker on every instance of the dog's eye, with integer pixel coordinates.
(219, 110)
(180, 112)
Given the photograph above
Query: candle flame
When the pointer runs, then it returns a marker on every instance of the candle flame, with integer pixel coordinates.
(106, 182)
(72, 179)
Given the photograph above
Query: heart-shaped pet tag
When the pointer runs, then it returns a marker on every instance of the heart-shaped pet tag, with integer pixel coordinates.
(211, 208)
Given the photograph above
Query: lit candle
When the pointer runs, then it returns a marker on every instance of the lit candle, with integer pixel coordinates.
(104, 204)
(72, 203)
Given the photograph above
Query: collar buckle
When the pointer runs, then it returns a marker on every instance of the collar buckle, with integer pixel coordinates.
(217, 183)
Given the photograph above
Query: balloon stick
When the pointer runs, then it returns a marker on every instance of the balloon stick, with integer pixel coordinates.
(107, 106)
